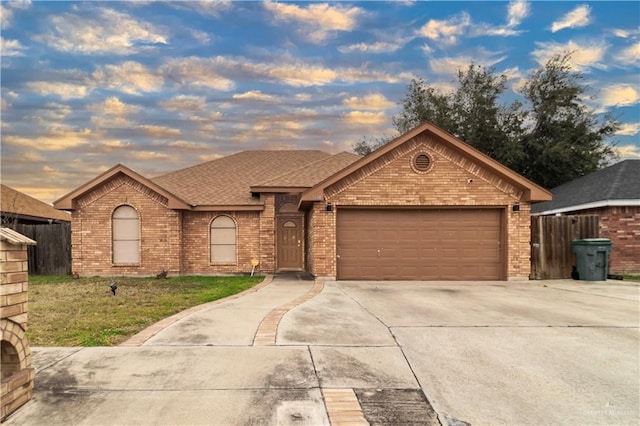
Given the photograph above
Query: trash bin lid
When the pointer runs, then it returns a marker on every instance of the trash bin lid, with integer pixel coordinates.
(591, 242)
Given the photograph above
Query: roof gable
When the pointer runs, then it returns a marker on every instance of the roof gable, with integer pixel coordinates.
(21, 204)
(227, 181)
(531, 191)
(69, 201)
(616, 185)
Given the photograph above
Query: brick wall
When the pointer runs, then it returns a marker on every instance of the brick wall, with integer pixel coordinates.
(454, 180)
(322, 242)
(622, 226)
(196, 237)
(178, 241)
(14, 284)
(160, 231)
(17, 373)
(267, 233)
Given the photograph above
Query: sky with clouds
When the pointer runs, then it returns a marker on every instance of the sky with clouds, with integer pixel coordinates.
(159, 86)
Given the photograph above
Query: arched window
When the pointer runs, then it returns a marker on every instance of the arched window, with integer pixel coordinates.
(126, 235)
(223, 240)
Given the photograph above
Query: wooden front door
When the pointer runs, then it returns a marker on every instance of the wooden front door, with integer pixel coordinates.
(290, 243)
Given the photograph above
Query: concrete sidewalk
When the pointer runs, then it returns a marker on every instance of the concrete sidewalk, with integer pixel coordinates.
(552, 352)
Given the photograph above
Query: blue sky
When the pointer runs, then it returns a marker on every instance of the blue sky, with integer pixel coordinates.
(159, 86)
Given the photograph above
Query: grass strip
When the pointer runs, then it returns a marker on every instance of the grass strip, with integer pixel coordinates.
(84, 312)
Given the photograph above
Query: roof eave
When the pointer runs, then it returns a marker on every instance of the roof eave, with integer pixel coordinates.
(591, 205)
(533, 192)
(37, 218)
(536, 195)
(228, 207)
(279, 189)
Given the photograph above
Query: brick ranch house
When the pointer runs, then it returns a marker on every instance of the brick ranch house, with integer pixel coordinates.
(425, 206)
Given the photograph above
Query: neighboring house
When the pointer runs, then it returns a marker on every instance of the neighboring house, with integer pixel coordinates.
(613, 194)
(19, 208)
(41, 222)
(424, 206)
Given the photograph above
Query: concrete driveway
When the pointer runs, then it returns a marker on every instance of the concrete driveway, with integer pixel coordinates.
(298, 352)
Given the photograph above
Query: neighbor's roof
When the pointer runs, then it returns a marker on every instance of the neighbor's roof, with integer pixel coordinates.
(227, 181)
(14, 237)
(27, 207)
(616, 185)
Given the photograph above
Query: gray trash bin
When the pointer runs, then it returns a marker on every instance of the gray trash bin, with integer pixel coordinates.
(592, 258)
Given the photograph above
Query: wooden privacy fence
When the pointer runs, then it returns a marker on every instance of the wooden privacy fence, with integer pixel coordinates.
(551, 236)
(52, 254)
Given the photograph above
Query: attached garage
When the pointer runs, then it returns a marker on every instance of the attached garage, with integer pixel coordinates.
(425, 206)
(420, 244)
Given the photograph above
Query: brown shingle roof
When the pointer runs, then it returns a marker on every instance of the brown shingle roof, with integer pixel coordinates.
(228, 180)
(311, 174)
(18, 203)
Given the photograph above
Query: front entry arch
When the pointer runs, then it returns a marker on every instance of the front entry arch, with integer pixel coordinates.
(289, 243)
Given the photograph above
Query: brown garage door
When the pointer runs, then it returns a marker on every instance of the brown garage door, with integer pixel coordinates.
(433, 244)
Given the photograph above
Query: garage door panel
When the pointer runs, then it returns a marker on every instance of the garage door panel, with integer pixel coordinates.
(429, 244)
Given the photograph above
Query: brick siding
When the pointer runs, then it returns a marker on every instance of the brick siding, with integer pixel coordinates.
(197, 254)
(17, 379)
(391, 181)
(179, 240)
(622, 226)
(91, 231)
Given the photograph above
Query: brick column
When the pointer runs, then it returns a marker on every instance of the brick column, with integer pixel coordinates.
(17, 374)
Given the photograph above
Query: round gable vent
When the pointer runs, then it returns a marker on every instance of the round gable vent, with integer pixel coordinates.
(422, 162)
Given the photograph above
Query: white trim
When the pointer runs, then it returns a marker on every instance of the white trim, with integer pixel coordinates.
(592, 205)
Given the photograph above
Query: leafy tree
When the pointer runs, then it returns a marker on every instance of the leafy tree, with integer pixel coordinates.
(367, 146)
(423, 103)
(566, 139)
(471, 112)
(553, 140)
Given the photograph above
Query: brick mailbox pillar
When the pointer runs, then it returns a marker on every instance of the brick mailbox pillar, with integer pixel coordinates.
(17, 373)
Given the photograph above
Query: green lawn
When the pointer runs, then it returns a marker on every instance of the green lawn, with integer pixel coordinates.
(632, 277)
(83, 312)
